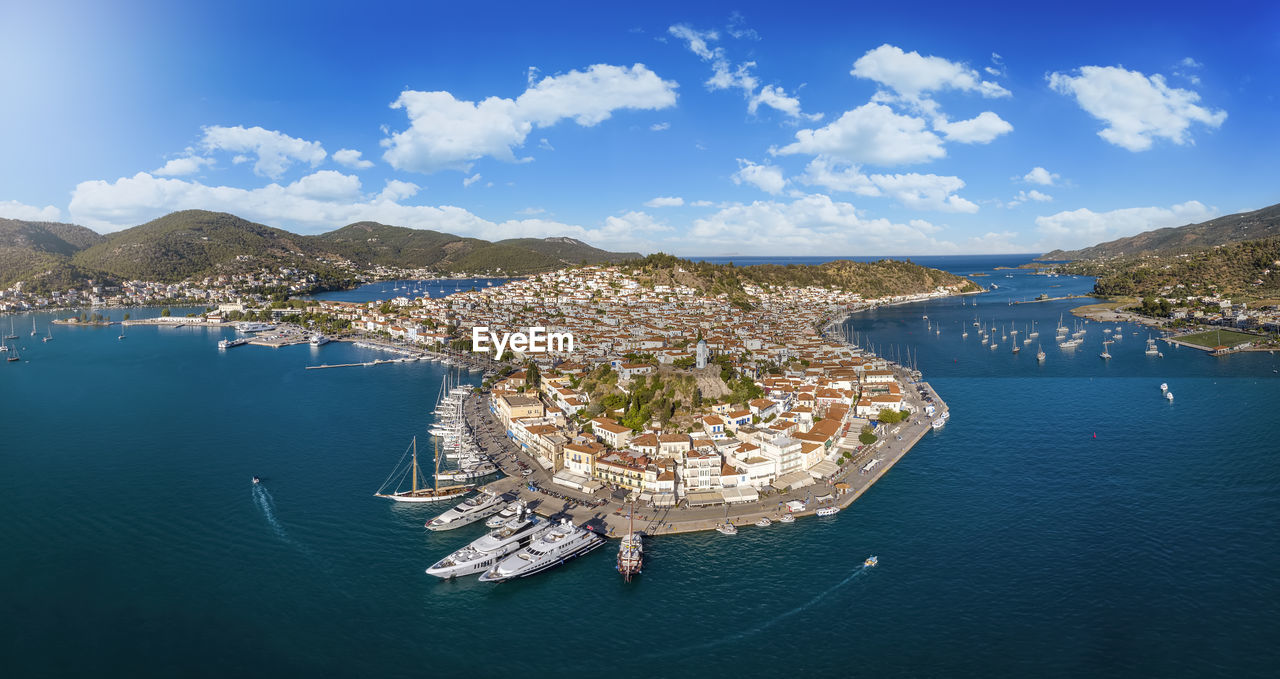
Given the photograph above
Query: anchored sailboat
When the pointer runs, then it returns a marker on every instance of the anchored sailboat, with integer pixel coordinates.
(416, 493)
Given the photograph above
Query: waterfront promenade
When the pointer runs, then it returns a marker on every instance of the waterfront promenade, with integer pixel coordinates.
(609, 515)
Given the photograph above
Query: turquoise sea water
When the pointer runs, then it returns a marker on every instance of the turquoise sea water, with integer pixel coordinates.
(1011, 543)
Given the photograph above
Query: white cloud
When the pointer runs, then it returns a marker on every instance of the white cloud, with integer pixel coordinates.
(351, 158)
(468, 181)
(545, 145)
(912, 190)
(725, 75)
(12, 209)
(871, 134)
(1084, 227)
(738, 28)
(925, 191)
(912, 75)
(1188, 62)
(777, 98)
(446, 132)
(665, 201)
(189, 164)
(319, 203)
(702, 203)
(808, 224)
(1136, 108)
(697, 41)
(326, 185)
(275, 151)
(396, 190)
(530, 211)
(1041, 176)
(1027, 196)
(838, 176)
(658, 127)
(767, 178)
(978, 130)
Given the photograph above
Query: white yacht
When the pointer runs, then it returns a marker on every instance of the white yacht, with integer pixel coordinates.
(558, 545)
(470, 510)
(505, 515)
(828, 511)
(486, 551)
(228, 344)
(471, 473)
(319, 340)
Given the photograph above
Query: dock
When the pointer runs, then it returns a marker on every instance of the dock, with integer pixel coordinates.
(1048, 299)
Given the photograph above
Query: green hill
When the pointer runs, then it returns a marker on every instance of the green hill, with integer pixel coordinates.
(40, 253)
(195, 242)
(1236, 228)
(1250, 268)
(869, 279)
(569, 250)
(183, 244)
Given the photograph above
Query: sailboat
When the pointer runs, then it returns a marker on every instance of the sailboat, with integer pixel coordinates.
(121, 330)
(13, 354)
(33, 326)
(416, 493)
(631, 551)
(1039, 354)
(11, 334)
(48, 337)
(1105, 354)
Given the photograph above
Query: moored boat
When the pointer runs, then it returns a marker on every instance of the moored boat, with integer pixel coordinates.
(487, 550)
(470, 510)
(828, 511)
(417, 492)
(787, 518)
(764, 522)
(559, 545)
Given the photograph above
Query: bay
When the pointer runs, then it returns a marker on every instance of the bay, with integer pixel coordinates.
(1012, 542)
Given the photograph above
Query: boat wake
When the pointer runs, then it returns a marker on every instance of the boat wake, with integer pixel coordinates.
(737, 636)
(266, 503)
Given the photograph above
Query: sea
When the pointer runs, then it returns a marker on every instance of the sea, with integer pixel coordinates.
(1068, 521)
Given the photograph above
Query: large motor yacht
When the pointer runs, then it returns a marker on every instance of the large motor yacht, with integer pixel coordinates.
(563, 543)
(486, 551)
(472, 509)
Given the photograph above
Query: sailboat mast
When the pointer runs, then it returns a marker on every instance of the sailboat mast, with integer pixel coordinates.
(415, 465)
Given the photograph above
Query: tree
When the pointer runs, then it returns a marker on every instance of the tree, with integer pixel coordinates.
(126, 315)
(889, 416)
(697, 398)
(164, 311)
(867, 438)
(532, 377)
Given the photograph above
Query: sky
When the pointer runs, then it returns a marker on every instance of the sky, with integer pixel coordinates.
(689, 128)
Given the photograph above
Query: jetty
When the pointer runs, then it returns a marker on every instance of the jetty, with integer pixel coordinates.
(1048, 299)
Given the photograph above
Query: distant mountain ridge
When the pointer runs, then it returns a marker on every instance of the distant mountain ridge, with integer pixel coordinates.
(1236, 228)
(191, 242)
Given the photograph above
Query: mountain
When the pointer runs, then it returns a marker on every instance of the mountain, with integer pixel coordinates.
(569, 250)
(183, 244)
(1249, 268)
(193, 242)
(40, 252)
(1244, 226)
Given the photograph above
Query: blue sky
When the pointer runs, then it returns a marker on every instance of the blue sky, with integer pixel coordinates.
(740, 128)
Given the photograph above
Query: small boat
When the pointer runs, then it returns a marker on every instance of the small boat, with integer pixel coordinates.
(828, 511)
(1164, 387)
(256, 480)
(787, 518)
(727, 529)
(938, 423)
(1168, 394)
(871, 561)
(764, 522)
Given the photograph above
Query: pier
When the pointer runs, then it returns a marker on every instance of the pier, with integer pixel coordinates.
(1048, 299)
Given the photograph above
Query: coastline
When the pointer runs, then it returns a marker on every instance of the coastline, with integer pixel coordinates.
(611, 518)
